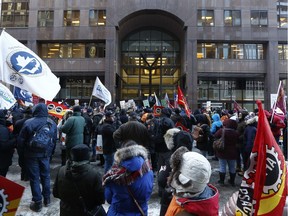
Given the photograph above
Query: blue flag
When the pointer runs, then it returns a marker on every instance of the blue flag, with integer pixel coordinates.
(21, 94)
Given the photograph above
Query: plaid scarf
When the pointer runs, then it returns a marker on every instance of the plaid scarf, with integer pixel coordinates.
(120, 175)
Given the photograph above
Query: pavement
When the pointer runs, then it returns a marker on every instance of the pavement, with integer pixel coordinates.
(154, 203)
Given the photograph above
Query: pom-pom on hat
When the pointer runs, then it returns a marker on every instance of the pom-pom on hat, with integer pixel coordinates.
(80, 152)
(191, 172)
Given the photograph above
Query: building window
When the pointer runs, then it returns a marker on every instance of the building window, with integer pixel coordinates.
(205, 18)
(71, 18)
(97, 17)
(232, 17)
(259, 18)
(282, 13)
(45, 18)
(283, 51)
(15, 13)
(72, 50)
(229, 51)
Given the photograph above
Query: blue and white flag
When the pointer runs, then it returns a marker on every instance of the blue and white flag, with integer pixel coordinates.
(23, 95)
(101, 92)
(7, 99)
(21, 67)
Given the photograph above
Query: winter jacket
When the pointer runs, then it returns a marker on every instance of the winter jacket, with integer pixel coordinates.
(7, 143)
(40, 117)
(130, 158)
(74, 129)
(109, 145)
(206, 204)
(231, 139)
(88, 182)
(216, 123)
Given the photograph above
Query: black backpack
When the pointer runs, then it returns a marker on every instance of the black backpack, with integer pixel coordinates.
(42, 138)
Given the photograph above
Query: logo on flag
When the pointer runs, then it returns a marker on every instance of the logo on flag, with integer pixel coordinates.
(23, 95)
(263, 189)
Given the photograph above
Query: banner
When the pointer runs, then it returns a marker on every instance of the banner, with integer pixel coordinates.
(7, 99)
(21, 67)
(101, 92)
(263, 188)
(56, 109)
(10, 196)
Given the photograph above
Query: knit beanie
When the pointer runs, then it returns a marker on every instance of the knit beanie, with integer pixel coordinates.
(191, 172)
(80, 152)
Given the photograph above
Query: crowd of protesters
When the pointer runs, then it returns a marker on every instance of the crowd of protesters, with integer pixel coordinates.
(134, 146)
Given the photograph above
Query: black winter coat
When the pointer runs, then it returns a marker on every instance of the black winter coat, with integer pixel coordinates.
(88, 182)
(7, 145)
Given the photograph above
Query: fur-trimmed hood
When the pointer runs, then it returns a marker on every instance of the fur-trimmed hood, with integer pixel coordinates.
(175, 138)
(126, 153)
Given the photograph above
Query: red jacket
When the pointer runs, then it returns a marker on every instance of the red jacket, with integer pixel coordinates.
(203, 207)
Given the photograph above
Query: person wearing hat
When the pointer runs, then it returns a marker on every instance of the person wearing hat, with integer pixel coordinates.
(78, 178)
(129, 179)
(74, 129)
(174, 139)
(109, 145)
(189, 181)
(7, 145)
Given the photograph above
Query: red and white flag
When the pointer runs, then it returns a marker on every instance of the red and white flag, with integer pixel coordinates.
(263, 189)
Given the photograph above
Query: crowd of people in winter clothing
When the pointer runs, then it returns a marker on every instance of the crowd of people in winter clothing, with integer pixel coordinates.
(134, 146)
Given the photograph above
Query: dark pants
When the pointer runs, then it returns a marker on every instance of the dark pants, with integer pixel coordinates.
(39, 170)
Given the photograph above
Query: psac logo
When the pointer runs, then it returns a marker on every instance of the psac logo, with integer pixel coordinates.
(24, 63)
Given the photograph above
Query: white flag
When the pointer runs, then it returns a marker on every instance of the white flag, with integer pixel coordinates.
(7, 99)
(101, 92)
(21, 67)
(157, 101)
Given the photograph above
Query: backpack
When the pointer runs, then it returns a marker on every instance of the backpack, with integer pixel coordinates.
(197, 133)
(42, 138)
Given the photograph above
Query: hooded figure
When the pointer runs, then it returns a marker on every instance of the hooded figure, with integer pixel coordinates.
(78, 177)
(189, 180)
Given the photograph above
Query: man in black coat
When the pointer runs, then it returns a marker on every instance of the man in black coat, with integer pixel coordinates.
(7, 145)
(78, 178)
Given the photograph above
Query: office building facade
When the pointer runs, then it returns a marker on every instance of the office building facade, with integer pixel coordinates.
(219, 51)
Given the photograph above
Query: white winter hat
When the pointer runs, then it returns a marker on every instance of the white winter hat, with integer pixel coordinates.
(194, 174)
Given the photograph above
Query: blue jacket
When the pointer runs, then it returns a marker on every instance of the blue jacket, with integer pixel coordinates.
(40, 116)
(216, 123)
(117, 195)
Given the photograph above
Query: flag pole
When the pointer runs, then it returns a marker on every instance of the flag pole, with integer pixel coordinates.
(274, 105)
(90, 100)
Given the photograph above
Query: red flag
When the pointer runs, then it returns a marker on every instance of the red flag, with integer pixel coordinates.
(263, 189)
(182, 101)
(10, 195)
(279, 107)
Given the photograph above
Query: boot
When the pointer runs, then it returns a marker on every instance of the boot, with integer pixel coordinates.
(232, 179)
(36, 206)
(222, 178)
